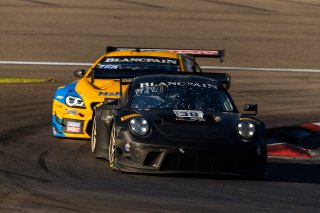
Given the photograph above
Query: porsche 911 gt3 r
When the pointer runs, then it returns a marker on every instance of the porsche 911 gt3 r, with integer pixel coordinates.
(178, 123)
(72, 105)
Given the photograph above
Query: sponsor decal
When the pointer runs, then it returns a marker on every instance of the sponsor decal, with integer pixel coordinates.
(148, 90)
(142, 60)
(177, 83)
(216, 118)
(181, 150)
(181, 51)
(108, 66)
(127, 147)
(109, 94)
(71, 112)
(259, 151)
(196, 52)
(60, 97)
(73, 126)
(250, 119)
(99, 104)
(129, 116)
(190, 115)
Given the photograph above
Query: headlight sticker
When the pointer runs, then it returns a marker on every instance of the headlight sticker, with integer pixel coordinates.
(246, 129)
(127, 147)
(129, 116)
(139, 125)
(73, 101)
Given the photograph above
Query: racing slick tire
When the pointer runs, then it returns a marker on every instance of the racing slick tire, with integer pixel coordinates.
(99, 146)
(112, 147)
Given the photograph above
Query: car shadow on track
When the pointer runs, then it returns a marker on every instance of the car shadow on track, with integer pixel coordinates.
(294, 172)
(279, 170)
(287, 171)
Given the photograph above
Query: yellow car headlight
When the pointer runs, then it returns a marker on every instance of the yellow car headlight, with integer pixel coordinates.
(73, 101)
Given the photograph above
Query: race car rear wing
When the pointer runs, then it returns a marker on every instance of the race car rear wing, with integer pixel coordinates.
(223, 78)
(190, 52)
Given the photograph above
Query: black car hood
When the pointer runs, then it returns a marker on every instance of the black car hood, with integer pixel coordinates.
(213, 126)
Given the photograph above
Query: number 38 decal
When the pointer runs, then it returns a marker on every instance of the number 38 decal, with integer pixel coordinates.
(194, 115)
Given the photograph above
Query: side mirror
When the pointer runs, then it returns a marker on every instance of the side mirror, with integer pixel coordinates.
(79, 73)
(251, 108)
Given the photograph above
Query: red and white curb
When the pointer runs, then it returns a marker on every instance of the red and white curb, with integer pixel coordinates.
(287, 150)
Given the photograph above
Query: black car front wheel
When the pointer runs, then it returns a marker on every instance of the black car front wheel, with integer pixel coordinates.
(99, 139)
(112, 147)
(94, 135)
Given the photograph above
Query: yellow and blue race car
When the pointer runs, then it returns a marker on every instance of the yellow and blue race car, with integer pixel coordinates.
(73, 104)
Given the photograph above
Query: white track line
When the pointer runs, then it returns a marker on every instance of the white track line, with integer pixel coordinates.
(203, 67)
(43, 63)
(260, 69)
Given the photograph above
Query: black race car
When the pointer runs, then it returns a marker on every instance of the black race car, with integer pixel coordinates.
(178, 123)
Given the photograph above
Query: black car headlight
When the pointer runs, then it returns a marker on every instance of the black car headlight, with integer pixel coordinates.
(73, 101)
(139, 125)
(246, 129)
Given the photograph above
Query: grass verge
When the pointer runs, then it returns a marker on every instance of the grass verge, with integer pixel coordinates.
(21, 80)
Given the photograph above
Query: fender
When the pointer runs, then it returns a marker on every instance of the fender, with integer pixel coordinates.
(103, 133)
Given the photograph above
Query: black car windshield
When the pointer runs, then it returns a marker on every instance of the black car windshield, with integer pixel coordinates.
(136, 63)
(181, 95)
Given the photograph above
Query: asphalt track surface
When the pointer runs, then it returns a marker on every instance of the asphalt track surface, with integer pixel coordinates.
(40, 173)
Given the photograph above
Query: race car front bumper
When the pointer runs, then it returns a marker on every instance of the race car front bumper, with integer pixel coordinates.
(247, 160)
(70, 122)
